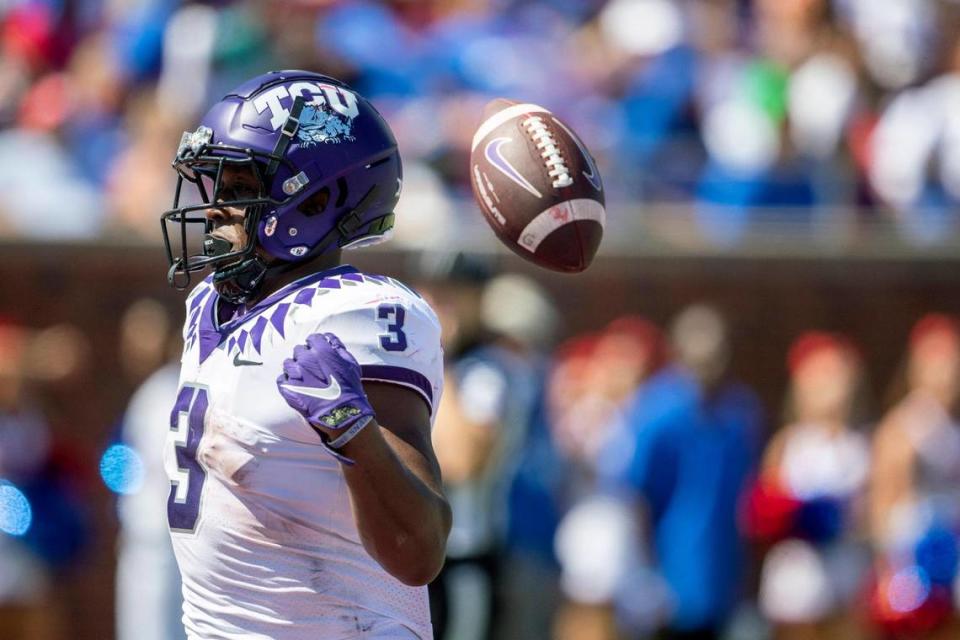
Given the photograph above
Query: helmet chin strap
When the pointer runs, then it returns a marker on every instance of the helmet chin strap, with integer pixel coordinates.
(240, 281)
(244, 281)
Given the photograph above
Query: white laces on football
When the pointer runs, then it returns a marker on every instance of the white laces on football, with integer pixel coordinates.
(556, 166)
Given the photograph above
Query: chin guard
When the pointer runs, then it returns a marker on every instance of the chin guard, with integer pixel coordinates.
(241, 282)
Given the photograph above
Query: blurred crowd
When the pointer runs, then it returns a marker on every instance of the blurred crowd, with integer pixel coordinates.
(46, 481)
(809, 108)
(624, 485)
(51, 507)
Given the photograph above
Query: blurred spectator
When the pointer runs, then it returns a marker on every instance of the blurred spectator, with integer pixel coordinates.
(490, 392)
(915, 490)
(146, 331)
(529, 585)
(138, 181)
(43, 521)
(681, 460)
(593, 379)
(807, 502)
(133, 468)
(45, 199)
(592, 385)
(24, 442)
(916, 153)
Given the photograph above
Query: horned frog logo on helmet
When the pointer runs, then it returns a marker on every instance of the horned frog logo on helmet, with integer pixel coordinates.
(317, 125)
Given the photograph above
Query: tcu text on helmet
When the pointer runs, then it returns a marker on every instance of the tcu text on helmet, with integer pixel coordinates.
(337, 98)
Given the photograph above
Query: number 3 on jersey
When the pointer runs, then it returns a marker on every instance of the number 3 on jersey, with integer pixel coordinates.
(186, 475)
(395, 339)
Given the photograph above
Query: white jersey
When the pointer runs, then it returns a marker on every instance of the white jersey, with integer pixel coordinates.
(259, 512)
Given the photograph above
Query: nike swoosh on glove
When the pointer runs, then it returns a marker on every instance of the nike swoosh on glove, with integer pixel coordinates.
(322, 382)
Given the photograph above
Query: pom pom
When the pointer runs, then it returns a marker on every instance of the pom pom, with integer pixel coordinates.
(769, 513)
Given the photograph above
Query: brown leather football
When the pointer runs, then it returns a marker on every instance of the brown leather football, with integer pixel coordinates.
(538, 186)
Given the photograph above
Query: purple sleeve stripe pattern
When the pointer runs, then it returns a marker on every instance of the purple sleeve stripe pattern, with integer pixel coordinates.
(399, 375)
(278, 316)
(329, 283)
(305, 296)
(256, 335)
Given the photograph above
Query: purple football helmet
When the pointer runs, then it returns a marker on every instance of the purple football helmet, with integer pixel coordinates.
(299, 133)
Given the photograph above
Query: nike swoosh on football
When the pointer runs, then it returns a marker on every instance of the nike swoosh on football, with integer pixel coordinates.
(593, 176)
(237, 362)
(495, 157)
(329, 392)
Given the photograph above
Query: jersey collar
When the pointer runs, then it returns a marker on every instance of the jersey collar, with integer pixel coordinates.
(212, 333)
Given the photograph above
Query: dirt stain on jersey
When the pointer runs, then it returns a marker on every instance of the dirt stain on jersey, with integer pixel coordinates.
(360, 626)
(228, 449)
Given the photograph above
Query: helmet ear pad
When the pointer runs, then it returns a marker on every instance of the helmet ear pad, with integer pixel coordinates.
(291, 231)
(315, 203)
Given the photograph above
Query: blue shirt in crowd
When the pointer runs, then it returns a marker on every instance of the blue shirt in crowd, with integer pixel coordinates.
(687, 455)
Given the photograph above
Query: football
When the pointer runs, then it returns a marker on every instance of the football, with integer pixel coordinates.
(537, 186)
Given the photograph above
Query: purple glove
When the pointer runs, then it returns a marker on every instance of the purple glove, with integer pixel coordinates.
(322, 382)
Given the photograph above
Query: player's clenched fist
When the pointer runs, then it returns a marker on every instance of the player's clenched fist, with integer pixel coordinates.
(322, 382)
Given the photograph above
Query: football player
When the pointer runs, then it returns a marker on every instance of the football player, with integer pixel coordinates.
(305, 497)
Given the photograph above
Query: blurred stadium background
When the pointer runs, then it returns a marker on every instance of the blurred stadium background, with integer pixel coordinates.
(738, 423)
